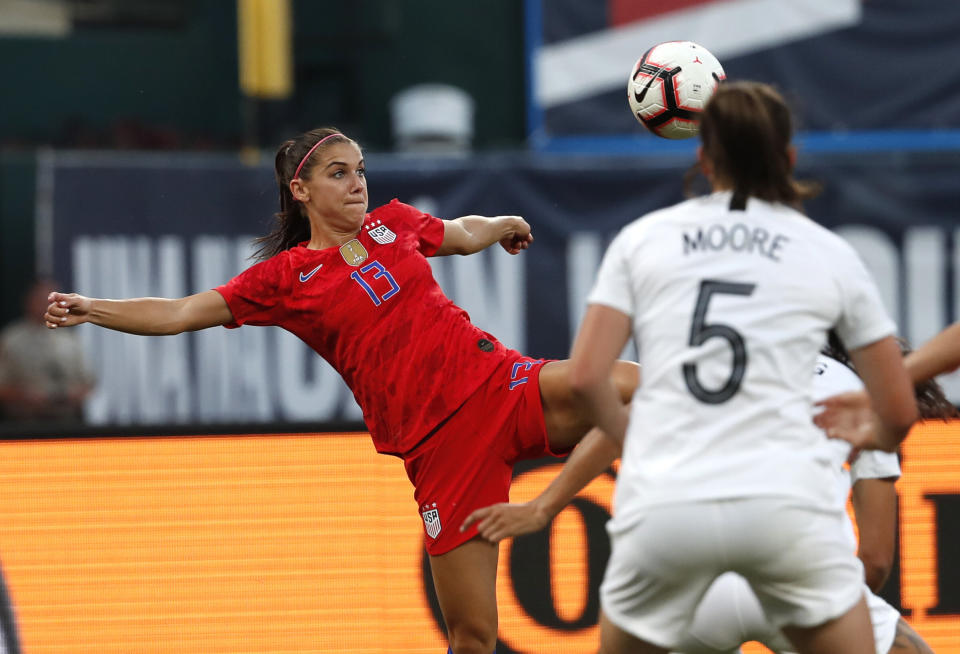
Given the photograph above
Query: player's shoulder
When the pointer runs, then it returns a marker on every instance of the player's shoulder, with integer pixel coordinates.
(832, 377)
(824, 239)
(396, 218)
(394, 210)
(275, 268)
(284, 258)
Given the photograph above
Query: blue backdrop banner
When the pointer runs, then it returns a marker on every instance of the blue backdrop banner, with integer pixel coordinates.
(125, 226)
(846, 65)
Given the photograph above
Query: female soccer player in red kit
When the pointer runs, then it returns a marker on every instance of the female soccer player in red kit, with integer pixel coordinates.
(456, 405)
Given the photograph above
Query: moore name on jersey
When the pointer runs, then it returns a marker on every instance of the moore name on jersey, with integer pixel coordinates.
(737, 237)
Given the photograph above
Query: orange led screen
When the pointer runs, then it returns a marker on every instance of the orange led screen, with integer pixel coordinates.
(312, 543)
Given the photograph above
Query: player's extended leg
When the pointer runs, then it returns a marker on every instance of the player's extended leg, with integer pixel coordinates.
(565, 425)
(908, 641)
(614, 640)
(851, 633)
(466, 582)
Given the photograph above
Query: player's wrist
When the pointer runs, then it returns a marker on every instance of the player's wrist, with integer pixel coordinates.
(546, 510)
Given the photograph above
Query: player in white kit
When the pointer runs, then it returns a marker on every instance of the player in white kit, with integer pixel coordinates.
(729, 298)
(730, 614)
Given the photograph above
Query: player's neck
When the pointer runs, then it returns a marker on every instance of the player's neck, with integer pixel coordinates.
(718, 184)
(329, 237)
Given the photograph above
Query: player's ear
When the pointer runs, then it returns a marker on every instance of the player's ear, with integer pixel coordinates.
(792, 155)
(299, 190)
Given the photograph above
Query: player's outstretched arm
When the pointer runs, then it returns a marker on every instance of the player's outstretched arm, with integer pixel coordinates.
(590, 458)
(470, 234)
(148, 316)
(939, 355)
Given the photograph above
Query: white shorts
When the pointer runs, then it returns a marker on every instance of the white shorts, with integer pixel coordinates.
(796, 559)
(730, 615)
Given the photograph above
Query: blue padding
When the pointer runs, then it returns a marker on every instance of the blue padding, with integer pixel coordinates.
(839, 142)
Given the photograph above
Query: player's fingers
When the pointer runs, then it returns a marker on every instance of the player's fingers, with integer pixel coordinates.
(822, 421)
(62, 299)
(57, 310)
(827, 403)
(476, 516)
(486, 530)
(55, 316)
(493, 529)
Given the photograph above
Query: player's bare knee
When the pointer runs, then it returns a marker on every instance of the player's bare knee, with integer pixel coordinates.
(472, 637)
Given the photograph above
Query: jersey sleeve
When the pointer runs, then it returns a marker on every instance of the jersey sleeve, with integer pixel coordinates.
(255, 295)
(613, 286)
(863, 319)
(875, 464)
(429, 229)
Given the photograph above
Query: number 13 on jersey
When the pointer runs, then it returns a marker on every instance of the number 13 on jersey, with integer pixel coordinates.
(357, 276)
(702, 331)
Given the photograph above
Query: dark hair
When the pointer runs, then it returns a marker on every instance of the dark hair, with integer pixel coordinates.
(932, 403)
(291, 225)
(745, 130)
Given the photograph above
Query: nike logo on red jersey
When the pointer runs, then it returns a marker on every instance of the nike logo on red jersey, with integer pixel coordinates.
(310, 274)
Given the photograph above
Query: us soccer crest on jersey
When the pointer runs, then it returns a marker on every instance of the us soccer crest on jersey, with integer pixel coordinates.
(431, 519)
(381, 233)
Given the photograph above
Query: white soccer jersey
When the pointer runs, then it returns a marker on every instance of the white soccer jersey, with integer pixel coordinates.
(729, 310)
(832, 378)
(730, 614)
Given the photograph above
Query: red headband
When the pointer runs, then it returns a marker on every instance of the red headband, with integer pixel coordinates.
(316, 145)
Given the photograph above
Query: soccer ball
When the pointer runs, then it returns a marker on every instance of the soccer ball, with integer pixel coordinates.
(669, 86)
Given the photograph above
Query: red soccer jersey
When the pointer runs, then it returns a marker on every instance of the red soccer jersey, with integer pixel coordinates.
(373, 310)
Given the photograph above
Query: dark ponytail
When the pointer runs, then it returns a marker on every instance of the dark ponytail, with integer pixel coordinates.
(291, 225)
(746, 129)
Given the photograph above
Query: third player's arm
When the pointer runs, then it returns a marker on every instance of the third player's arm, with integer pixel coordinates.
(149, 316)
(875, 509)
(939, 355)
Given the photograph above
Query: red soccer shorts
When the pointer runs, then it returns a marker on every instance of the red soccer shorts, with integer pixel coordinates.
(468, 463)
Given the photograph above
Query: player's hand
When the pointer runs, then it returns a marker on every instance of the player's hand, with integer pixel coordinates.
(849, 417)
(66, 310)
(499, 521)
(520, 237)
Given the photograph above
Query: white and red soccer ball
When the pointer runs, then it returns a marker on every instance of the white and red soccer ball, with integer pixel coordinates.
(669, 86)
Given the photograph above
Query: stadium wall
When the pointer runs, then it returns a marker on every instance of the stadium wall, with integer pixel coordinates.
(309, 542)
